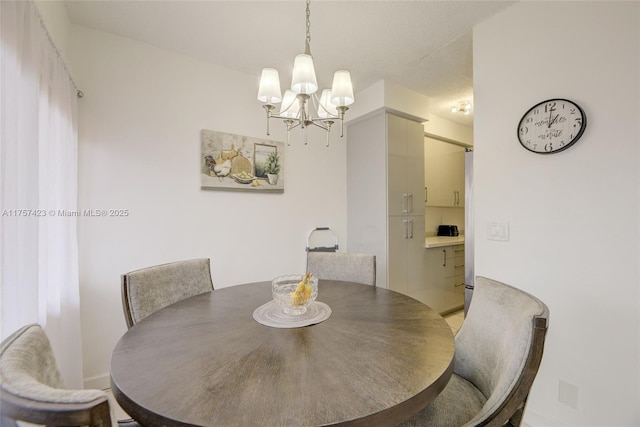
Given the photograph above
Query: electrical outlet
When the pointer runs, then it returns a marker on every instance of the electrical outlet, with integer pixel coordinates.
(498, 231)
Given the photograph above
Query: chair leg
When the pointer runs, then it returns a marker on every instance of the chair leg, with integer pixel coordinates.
(516, 418)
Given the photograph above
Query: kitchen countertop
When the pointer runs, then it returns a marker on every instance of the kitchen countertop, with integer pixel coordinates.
(439, 241)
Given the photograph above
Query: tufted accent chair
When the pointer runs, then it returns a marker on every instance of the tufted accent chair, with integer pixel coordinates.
(359, 268)
(147, 290)
(32, 389)
(498, 352)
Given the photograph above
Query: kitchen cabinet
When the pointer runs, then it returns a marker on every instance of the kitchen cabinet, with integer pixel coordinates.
(454, 278)
(444, 173)
(433, 293)
(405, 166)
(385, 212)
(445, 282)
(406, 256)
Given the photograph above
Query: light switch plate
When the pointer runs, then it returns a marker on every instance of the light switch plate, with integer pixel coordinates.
(498, 231)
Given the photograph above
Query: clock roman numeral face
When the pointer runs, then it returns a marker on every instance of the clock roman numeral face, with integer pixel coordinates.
(551, 126)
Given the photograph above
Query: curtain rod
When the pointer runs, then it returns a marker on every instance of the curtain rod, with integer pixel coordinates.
(65, 64)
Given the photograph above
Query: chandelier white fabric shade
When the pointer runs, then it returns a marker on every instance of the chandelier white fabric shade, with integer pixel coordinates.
(326, 107)
(304, 75)
(290, 105)
(301, 106)
(269, 91)
(342, 90)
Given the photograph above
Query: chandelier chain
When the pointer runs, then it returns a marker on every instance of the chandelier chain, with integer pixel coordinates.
(307, 44)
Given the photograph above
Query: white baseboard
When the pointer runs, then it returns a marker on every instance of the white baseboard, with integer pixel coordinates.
(100, 382)
(536, 419)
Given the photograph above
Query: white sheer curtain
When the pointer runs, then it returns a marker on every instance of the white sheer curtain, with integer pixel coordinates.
(38, 187)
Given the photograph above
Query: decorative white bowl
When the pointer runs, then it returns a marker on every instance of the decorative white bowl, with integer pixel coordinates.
(283, 289)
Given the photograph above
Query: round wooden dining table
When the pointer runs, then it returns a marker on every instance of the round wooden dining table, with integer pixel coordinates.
(379, 358)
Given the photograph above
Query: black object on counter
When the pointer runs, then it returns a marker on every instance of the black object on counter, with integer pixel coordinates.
(448, 230)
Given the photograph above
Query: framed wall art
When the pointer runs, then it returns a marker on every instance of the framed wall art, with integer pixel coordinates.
(240, 163)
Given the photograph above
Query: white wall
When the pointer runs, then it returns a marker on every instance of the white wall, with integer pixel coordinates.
(573, 216)
(140, 123)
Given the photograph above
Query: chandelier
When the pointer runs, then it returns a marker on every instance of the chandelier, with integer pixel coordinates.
(300, 106)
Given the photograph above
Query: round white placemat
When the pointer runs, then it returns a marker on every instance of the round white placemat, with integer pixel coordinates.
(271, 314)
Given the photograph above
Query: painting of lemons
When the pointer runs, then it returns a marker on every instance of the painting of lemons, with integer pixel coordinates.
(240, 163)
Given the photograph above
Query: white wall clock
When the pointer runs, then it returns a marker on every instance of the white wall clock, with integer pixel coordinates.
(551, 126)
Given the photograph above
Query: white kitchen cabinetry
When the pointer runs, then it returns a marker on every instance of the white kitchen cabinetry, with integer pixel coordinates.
(405, 255)
(444, 173)
(454, 278)
(385, 209)
(433, 294)
(445, 282)
(405, 166)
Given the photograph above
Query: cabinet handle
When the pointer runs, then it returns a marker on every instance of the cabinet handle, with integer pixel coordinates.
(406, 228)
(444, 258)
(405, 203)
(426, 195)
(458, 284)
(411, 228)
(410, 204)
(458, 266)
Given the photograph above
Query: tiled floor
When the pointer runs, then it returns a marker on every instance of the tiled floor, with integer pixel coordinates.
(454, 320)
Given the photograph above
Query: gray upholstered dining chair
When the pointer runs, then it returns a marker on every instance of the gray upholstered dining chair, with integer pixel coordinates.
(498, 352)
(359, 268)
(32, 389)
(147, 290)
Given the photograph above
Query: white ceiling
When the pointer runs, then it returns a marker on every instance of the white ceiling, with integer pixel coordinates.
(423, 45)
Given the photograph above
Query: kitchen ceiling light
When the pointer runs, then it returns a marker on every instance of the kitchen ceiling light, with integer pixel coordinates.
(296, 109)
(464, 108)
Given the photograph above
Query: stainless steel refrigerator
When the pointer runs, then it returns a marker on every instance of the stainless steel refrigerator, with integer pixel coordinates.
(469, 234)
